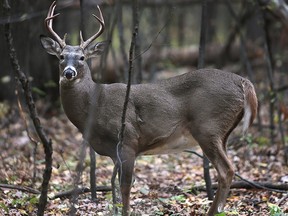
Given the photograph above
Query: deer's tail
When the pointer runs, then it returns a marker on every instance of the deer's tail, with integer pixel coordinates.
(250, 105)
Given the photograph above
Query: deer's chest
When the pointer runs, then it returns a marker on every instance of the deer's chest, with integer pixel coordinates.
(76, 108)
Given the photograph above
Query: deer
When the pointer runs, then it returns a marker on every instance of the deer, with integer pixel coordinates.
(201, 107)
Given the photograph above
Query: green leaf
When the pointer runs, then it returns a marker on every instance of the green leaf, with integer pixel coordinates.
(221, 214)
(274, 209)
(4, 207)
(163, 200)
(159, 213)
(34, 200)
(179, 198)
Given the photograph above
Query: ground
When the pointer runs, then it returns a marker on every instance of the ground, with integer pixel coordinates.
(163, 184)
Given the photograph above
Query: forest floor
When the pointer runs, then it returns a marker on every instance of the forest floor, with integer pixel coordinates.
(163, 184)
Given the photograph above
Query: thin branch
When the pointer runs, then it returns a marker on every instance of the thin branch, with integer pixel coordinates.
(78, 191)
(118, 164)
(193, 152)
(47, 143)
(34, 141)
(261, 186)
(20, 188)
(137, 55)
(123, 118)
(150, 45)
(251, 183)
(234, 32)
(244, 52)
(279, 188)
(282, 199)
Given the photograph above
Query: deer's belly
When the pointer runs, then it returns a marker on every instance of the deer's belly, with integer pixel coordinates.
(178, 141)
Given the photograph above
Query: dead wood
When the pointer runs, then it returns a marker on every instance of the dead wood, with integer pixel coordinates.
(246, 185)
(20, 188)
(78, 191)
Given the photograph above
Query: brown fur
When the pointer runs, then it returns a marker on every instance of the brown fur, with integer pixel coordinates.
(200, 107)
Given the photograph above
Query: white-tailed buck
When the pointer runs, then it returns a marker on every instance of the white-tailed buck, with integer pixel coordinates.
(201, 107)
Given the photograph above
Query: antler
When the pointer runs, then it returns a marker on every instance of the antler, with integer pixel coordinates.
(84, 44)
(49, 22)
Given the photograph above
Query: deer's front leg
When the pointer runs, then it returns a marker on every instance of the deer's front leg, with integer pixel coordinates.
(126, 168)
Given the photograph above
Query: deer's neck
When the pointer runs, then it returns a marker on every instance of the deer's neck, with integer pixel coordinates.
(77, 99)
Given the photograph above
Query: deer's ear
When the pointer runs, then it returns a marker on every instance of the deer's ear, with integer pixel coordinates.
(51, 46)
(96, 49)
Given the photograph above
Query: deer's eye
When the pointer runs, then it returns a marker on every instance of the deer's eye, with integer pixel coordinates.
(61, 57)
(82, 58)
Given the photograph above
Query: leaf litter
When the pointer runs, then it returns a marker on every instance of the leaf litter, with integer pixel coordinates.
(163, 184)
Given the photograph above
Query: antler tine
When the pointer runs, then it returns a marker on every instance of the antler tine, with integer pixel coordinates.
(49, 23)
(84, 44)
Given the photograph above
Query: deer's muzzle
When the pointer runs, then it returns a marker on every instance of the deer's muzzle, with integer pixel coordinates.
(69, 72)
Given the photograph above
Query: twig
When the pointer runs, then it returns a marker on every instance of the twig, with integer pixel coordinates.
(150, 45)
(279, 188)
(47, 143)
(193, 152)
(282, 188)
(20, 188)
(34, 141)
(123, 118)
(260, 186)
(233, 33)
(118, 164)
(282, 199)
(154, 39)
(64, 161)
(78, 191)
(244, 53)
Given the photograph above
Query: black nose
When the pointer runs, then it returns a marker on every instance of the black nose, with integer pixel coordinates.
(69, 73)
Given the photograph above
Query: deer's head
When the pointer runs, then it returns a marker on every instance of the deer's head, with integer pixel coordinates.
(72, 59)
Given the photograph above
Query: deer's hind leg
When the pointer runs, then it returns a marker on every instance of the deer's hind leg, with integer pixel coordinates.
(215, 151)
(212, 140)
